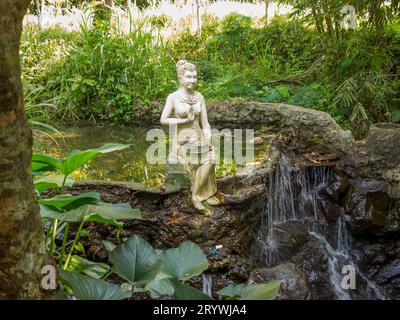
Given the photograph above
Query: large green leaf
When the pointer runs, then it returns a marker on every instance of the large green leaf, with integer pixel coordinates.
(41, 167)
(160, 286)
(264, 291)
(102, 212)
(186, 292)
(184, 262)
(135, 260)
(76, 158)
(52, 182)
(88, 288)
(94, 269)
(69, 202)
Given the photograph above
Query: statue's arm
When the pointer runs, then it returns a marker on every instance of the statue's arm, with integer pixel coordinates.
(165, 116)
(204, 121)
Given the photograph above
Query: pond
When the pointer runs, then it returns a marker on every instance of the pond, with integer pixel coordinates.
(127, 165)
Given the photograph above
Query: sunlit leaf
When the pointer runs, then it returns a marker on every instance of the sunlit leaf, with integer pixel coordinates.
(68, 202)
(101, 212)
(94, 269)
(76, 158)
(52, 182)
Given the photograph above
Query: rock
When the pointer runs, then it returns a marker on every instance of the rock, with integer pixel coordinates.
(368, 203)
(313, 262)
(388, 272)
(289, 238)
(374, 254)
(331, 210)
(245, 194)
(294, 286)
(337, 188)
(383, 145)
(169, 219)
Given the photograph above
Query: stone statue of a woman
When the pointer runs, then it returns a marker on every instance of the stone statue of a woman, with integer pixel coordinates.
(185, 113)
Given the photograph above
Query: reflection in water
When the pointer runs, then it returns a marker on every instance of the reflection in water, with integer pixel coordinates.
(126, 165)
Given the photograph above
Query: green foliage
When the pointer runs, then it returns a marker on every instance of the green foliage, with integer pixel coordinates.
(159, 273)
(111, 76)
(184, 262)
(305, 59)
(52, 182)
(266, 291)
(186, 292)
(89, 288)
(99, 212)
(94, 269)
(77, 158)
(135, 261)
(67, 208)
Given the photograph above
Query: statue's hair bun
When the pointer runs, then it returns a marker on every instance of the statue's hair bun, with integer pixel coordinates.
(183, 65)
(180, 63)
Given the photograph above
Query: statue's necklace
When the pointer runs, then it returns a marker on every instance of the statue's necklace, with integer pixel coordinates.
(189, 99)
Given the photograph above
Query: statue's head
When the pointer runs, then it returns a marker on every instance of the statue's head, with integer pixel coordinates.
(187, 74)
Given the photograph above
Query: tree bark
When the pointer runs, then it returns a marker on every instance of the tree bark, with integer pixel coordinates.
(22, 250)
(109, 3)
(198, 16)
(266, 10)
(38, 12)
(316, 20)
(42, 14)
(328, 19)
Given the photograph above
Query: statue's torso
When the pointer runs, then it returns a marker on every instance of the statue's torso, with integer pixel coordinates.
(183, 107)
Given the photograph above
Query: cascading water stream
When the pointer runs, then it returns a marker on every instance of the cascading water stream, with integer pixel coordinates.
(292, 196)
(336, 258)
(296, 195)
(340, 257)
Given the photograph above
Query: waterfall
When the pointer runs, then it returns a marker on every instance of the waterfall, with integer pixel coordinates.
(336, 258)
(341, 256)
(293, 195)
(207, 284)
(296, 195)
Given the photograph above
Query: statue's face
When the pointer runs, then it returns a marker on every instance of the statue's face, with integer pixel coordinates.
(188, 79)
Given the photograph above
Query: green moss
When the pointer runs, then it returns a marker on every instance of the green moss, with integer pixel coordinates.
(316, 139)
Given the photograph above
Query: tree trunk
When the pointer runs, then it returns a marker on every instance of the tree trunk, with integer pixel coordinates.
(316, 20)
(337, 28)
(266, 10)
(328, 19)
(22, 251)
(42, 13)
(319, 17)
(198, 16)
(109, 3)
(38, 12)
